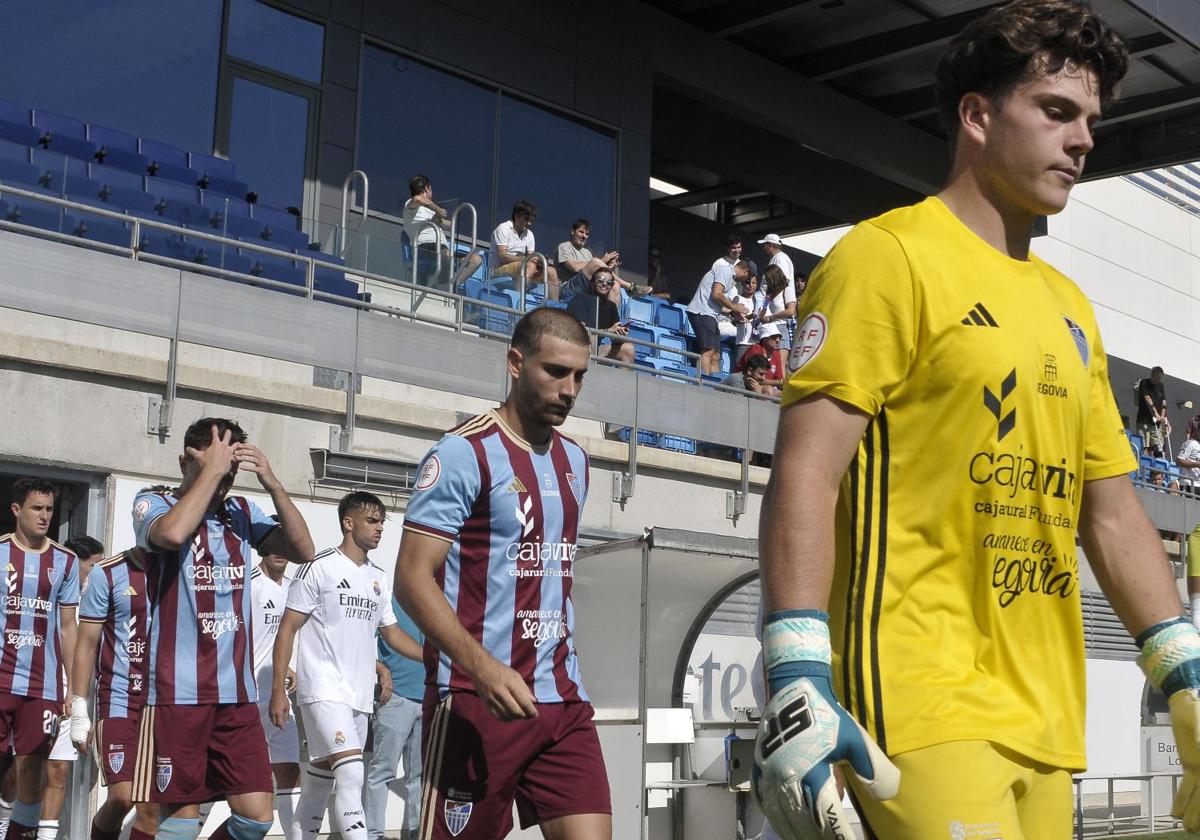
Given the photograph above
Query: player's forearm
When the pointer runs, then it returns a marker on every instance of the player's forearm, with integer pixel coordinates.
(401, 642)
(83, 664)
(282, 654)
(67, 637)
(425, 603)
(796, 546)
(294, 529)
(176, 527)
(1125, 552)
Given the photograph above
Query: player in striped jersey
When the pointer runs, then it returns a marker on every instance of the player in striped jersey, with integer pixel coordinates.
(335, 605)
(269, 584)
(200, 736)
(87, 551)
(112, 648)
(485, 569)
(40, 598)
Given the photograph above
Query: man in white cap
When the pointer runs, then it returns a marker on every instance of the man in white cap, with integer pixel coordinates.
(781, 306)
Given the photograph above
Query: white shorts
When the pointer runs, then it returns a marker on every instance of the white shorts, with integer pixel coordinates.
(63, 749)
(333, 728)
(282, 744)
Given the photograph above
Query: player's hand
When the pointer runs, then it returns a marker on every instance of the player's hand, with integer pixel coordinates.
(81, 724)
(805, 731)
(280, 709)
(1170, 659)
(251, 458)
(289, 682)
(504, 690)
(218, 457)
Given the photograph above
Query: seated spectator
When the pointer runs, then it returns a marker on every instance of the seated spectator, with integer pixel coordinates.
(1189, 459)
(768, 348)
(595, 309)
(746, 326)
(707, 304)
(752, 377)
(1152, 423)
(660, 287)
(780, 295)
(428, 240)
(512, 240)
(575, 266)
(1159, 481)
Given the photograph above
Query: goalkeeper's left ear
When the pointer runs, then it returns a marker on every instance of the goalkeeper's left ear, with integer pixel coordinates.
(1170, 659)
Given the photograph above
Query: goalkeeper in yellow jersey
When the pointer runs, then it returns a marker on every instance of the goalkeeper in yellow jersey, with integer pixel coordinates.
(947, 428)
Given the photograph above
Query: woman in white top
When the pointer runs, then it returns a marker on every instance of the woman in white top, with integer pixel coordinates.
(428, 239)
(781, 302)
(749, 294)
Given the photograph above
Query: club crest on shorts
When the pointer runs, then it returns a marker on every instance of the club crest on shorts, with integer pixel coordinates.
(162, 775)
(1081, 340)
(339, 737)
(457, 815)
(116, 760)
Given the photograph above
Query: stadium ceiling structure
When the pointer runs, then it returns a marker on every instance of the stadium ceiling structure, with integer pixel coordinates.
(793, 115)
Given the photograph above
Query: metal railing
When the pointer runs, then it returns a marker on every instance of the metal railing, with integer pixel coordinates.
(357, 173)
(1109, 820)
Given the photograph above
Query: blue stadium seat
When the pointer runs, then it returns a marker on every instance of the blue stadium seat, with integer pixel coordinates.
(18, 174)
(172, 192)
(274, 218)
(275, 268)
(162, 243)
(82, 189)
(234, 225)
(218, 175)
(677, 444)
(226, 204)
(726, 360)
(34, 213)
(334, 283)
(65, 135)
(114, 177)
(643, 333)
(118, 149)
(641, 310)
(672, 340)
(98, 229)
(168, 162)
(233, 261)
(14, 151)
(671, 317)
(192, 215)
(128, 200)
(16, 124)
(286, 239)
(496, 320)
(54, 166)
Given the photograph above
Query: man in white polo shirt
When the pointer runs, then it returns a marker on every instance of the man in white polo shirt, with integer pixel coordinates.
(512, 240)
(710, 301)
(781, 307)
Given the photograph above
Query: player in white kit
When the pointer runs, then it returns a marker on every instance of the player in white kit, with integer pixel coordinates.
(269, 598)
(335, 605)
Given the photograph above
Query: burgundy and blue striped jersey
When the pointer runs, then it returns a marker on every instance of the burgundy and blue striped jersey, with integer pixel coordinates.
(37, 584)
(115, 597)
(201, 624)
(511, 514)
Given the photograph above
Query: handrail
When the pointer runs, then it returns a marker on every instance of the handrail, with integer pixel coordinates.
(466, 205)
(1112, 819)
(525, 258)
(357, 173)
(437, 250)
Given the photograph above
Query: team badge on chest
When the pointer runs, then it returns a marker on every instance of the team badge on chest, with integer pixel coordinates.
(1081, 340)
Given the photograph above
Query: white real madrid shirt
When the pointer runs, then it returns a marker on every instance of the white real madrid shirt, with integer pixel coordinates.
(346, 603)
(267, 602)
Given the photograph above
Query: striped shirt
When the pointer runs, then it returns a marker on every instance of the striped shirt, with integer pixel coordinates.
(37, 585)
(115, 597)
(201, 637)
(510, 513)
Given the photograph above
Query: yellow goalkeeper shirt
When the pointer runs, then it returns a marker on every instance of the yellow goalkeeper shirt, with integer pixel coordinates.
(955, 612)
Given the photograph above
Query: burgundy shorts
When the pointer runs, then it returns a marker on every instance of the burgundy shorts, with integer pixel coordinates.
(29, 724)
(476, 765)
(116, 747)
(195, 754)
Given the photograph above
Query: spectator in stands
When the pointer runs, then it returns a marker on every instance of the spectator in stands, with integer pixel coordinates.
(429, 241)
(575, 266)
(708, 303)
(595, 309)
(1189, 459)
(512, 240)
(733, 251)
(660, 287)
(768, 348)
(746, 326)
(1159, 481)
(780, 292)
(1152, 422)
(752, 377)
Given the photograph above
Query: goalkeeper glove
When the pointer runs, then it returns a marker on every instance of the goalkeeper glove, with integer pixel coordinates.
(805, 731)
(81, 724)
(1170, 659)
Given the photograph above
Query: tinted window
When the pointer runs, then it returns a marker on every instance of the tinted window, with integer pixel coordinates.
(418, 119)
(564, 167)
(276, 40)
(268, 138)
(146, 68)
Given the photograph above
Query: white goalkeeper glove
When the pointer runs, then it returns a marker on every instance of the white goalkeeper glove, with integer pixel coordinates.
(805, 731)
(1170, 659)
(81, 724)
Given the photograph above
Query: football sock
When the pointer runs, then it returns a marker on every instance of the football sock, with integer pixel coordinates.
(5, 815)
(310, 809)
(285, 804)
(25, 819)
(136, 833)
(347, 798)
(47, 830)
(177, 828)
(1195, 616)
